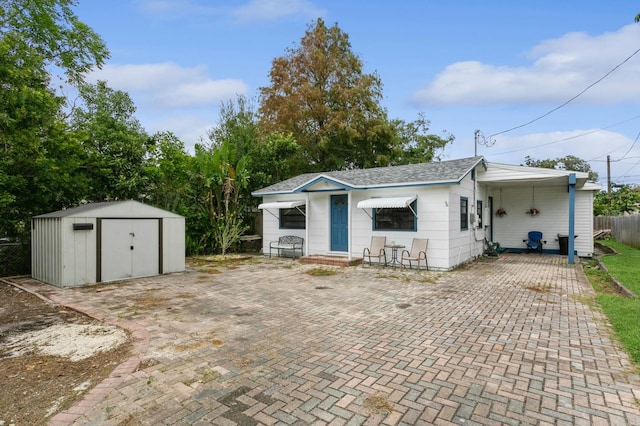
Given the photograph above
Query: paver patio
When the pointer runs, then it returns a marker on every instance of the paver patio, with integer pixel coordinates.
(502, 341)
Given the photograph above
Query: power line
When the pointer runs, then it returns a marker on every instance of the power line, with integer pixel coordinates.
(630, 148)
(570, 137)
(570, 100)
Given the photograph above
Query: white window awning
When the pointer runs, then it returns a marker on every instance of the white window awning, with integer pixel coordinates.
(282, 205)
(277, 205)
(388, 203)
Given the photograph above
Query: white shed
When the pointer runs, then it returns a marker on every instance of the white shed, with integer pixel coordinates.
(101, 242)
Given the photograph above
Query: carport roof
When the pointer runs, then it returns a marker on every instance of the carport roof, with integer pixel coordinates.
(435, 173)
(497, 174)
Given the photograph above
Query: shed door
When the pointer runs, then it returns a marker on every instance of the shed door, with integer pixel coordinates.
(129, 248)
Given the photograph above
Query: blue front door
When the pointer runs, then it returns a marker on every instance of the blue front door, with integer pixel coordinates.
(339, 221)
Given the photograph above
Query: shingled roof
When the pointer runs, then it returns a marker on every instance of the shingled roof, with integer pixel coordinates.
(440, 172)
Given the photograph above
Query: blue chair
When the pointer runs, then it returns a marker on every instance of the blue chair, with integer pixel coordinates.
(534, 241)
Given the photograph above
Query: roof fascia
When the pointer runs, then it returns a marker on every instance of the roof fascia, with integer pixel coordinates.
(473, 167)
(326, 179)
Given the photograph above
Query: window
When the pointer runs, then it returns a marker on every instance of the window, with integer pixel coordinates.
(464, 213)
(401, 219)
(479, 212)
(293, 218)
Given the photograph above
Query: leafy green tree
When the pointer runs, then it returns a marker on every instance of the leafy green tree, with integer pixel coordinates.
(220, 177)
(37, 156)
(416, 144)
(115, 143)
(168, 170)
(54, 33)
(623, 199)
(270, 160)
(238, 124)
(269, 155)
(320, 95)
(569, 162)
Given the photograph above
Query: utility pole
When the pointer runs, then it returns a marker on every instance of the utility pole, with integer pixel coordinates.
(476, 136)
(609, 176)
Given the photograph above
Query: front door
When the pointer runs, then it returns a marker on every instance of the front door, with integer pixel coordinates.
(339, 222)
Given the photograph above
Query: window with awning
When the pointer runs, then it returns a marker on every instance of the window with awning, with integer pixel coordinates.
(291, 214)
(386, 203)
(392, 213)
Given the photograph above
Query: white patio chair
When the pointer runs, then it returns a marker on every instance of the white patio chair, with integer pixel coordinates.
(417, 254)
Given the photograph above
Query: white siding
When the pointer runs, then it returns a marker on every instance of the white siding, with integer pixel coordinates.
(363, 223)
(271, 223)
(584, 223)
(318, 222)
(468, 244)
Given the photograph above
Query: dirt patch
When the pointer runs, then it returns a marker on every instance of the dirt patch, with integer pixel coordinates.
(376, 404)
(50, 356)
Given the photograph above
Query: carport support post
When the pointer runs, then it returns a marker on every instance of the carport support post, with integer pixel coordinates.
(572, 216)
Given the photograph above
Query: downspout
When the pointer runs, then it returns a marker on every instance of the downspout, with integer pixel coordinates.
(572, 215)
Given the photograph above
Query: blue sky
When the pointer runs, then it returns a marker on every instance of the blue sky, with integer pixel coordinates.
(467, 65)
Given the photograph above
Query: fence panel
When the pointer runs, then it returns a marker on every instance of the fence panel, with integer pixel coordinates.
(625, 229)
(15, 259)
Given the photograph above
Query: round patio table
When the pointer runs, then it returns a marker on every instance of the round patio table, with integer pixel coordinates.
(394, 253)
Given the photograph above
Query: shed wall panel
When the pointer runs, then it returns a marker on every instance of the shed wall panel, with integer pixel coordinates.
(173, 245)
(79, 260)
(47, 250)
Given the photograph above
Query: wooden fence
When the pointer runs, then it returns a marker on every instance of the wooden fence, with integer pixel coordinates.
(625, 229)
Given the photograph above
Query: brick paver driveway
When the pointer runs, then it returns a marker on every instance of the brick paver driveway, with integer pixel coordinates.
(507, 341)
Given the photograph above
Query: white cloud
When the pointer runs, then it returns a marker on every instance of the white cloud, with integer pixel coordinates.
(191, 129)
(168, 85)
(267, 10)
(561, 68)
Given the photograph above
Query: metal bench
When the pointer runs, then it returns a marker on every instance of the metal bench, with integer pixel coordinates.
(287, 243)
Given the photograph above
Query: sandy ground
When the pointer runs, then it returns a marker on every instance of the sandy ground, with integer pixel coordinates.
(73, 341)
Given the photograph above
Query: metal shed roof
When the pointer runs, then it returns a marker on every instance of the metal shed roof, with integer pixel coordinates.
(93, 210)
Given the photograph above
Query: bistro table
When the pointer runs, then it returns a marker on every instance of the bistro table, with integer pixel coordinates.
(394, 253)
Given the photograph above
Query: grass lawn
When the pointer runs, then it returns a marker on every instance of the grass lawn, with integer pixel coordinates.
(623, 312)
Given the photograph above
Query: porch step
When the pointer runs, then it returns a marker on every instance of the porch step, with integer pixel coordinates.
(331, 260)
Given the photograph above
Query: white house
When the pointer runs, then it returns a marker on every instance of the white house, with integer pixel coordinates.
(100, 242)
(452, 203)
